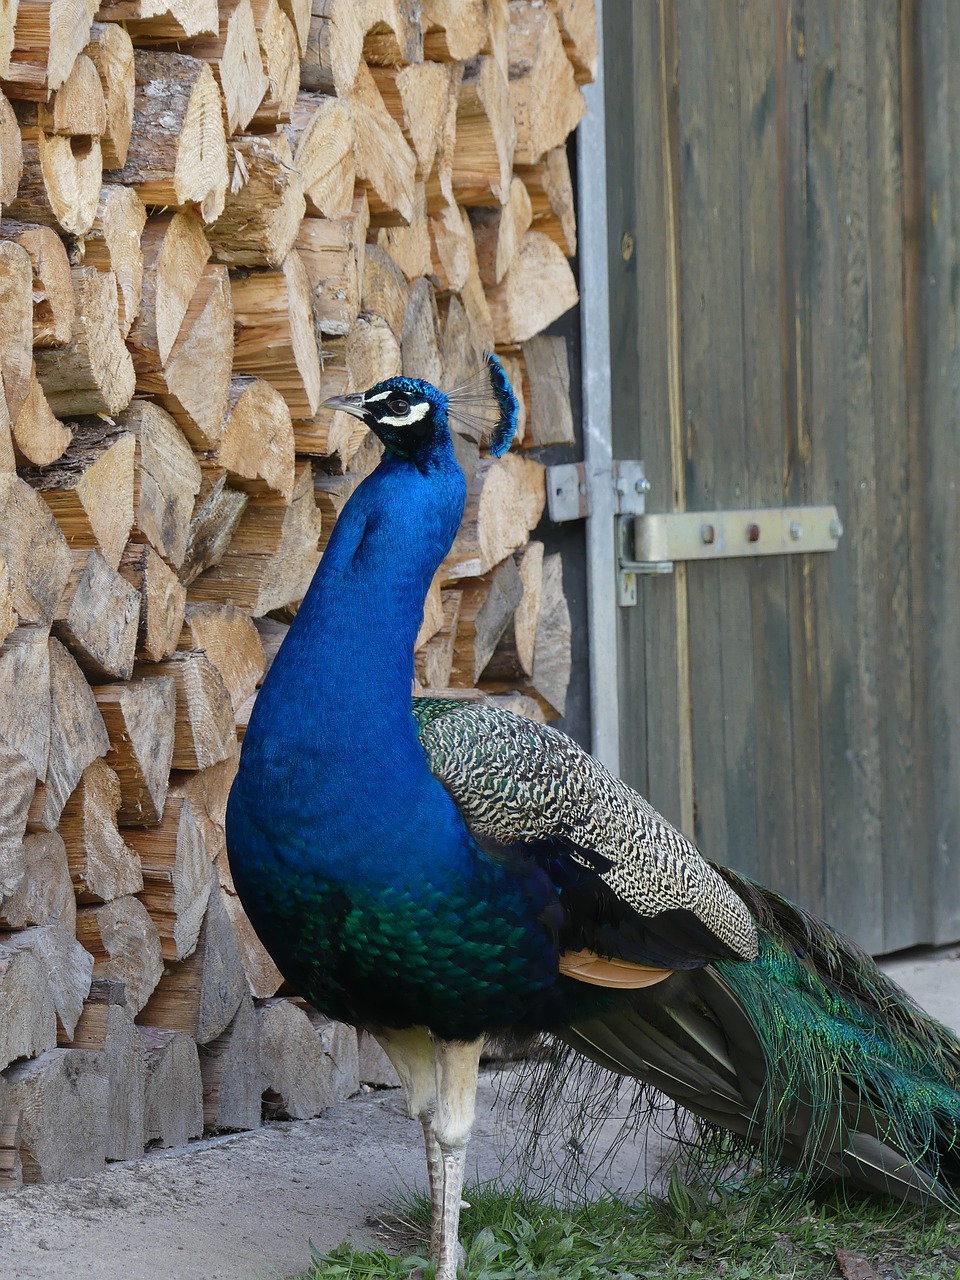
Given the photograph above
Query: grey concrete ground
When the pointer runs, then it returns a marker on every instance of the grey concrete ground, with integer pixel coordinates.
(245, 1207)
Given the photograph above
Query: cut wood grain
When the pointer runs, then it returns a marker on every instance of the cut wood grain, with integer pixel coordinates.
(61, 178)
(513, 659)
(67, 967)
(497, 233)
(111, 52)
(48, 39)
(34, 551)
(550, 188)
(140, 718)
(419, 98)
(32, 1025)
(113, 244)
(546, 100)
(322, 136)
(78, 108)
(434, 662)
(257, 449)
(230, 1070)
(409, 246)
(163, 19)
(93, 372)
(16, 325)
(420, 333)
(63, 1097)
(234, 55)
(177, 876)
(385, 164)
(178, 150)
(11, 148)
(24, 742)
(450, 249)
(454, 30)
(299, 1077)
(53, 306)
(264, 204)
(538, 288)
(546, 390)
(38, 435)
(550, 674)
(125, 946)
(163, 599)
(106, 1026)
(231, 642)
(384, 289)
(272, 555)
(167, 480)
(173, 1089)
(274, 334)
(97, 619)
(333, 252)
(504, 502)
(279, 54)
(102, 865)
(486, 135)
(203, 728)
(215, 519)
(577, 20)
(45, 892)
(487, 606)
(175, 251)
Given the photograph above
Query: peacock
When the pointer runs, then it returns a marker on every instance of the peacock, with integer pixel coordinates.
(439, 871)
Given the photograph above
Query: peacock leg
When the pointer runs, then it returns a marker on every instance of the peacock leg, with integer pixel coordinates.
(457, 1065)
(435, 1175)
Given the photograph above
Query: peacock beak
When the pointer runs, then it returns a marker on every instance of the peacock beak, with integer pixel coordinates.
(352, 403)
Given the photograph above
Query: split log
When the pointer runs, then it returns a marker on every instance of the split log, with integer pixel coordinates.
(11, 145)
(546, 100)
(34, 551)
(177, 875)
(16, 324)
(140, 718)
(125, 946)
(274, 334)
(173, 1089)
(504, 502)
(451, 249)
(167, 480)
(420, 334)
(61, 178)
(550, 188)
(299, 13)
(473, 295)
(215, 519)
(78, 109)
(551, 654)
(454, 30)
(263, 977)
(201, 994)
(29, 1024)
(375, 1068)
(578, 26)
(234, 55)
(111, 52)
(162, 19)
(178, 149)
(231, 642)
(194, 384)
(230, 1070)
(67, 967)
(264, 204)
(537, 289)
(11, 1167)
(420, 99)
(434, 662)
(98, 619)
(203, 728)
(384, 291)
(113, 244)
(486, 608)
(300, 1078)
(53, 306)
(546, 391)
(272, 555)
(48, 39)
(106, 1026)
(386, 165)
(486, 135)
(38, 436)
(175, 252)
(345, 32)
(93, 372)
(257, 447)
(513, 659)
(78, 737)
(333, 252)
(45, 893)
(323, 138)
(163, 599)
(280, 56)
(63, 1098)
(497, 233)
(102, 865)
(90, 489)
(24, 742)
(409, 246)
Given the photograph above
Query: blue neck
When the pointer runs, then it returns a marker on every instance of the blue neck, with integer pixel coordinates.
(333, 719)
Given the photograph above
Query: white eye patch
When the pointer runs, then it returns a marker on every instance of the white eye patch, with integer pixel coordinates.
(380, 396)
(416, 412)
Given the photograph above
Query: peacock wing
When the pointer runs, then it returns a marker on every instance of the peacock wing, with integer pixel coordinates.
(632, 886)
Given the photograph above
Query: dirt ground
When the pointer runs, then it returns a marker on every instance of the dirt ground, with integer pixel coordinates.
(245, 1207)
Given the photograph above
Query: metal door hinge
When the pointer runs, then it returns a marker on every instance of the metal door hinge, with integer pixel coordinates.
(568, 489)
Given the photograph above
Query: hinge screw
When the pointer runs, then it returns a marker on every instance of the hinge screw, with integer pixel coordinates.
(707, 533)
(753, 533)
(836, 528)
(796, 530)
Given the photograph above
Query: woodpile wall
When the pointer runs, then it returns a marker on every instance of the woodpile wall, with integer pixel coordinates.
(213, 217)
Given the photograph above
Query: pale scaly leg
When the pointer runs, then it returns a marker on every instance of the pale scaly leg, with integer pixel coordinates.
(412, 1054)
(457, 1066)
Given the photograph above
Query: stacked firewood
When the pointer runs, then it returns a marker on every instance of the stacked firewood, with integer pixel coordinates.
(214, 216)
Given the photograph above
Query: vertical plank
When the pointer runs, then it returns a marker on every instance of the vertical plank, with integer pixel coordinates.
(763, 379)
(940, 37)
(905, 881)
(721, 648)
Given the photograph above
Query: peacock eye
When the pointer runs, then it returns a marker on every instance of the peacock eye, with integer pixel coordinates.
(399, 406)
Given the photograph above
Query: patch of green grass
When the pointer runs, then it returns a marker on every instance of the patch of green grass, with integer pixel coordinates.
(752, 1233)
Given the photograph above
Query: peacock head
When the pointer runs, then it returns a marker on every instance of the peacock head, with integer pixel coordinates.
(411, 416)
